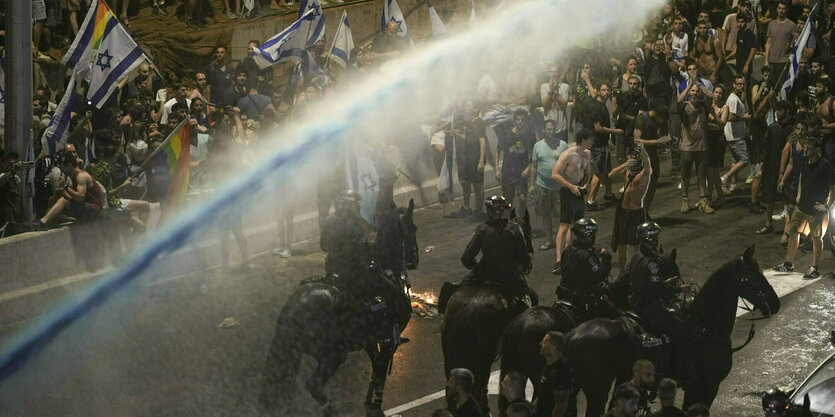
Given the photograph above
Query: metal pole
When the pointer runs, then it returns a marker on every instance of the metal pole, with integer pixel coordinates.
(18, 71)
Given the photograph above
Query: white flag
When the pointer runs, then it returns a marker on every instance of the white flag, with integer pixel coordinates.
(343, 42)
(116, 57)
(438, 28)
(796, 54)
(363, 178)
(392, 13)
(287, 45)
(55, 135)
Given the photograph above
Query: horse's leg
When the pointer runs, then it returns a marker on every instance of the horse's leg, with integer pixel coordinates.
(704, 394)
(279, 377)
(326, 367)
(380, 360)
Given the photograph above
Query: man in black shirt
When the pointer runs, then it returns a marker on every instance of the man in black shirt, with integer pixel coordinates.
(600, 150)
(625, 401)
(553, 397)
(746, 47)
(458, 394)
(513, 159)
(667, 396)
(643, 378)
(512, 388)
(814, 191)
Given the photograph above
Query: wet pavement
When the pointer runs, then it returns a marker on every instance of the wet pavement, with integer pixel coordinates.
(196, 345)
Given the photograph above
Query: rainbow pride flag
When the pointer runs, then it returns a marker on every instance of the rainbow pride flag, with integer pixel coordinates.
(174, 155)
(99, 21)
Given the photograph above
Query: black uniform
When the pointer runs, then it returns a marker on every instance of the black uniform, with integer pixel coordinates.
(504, 255)
(348, 250)
(584, 270)
(650, 296)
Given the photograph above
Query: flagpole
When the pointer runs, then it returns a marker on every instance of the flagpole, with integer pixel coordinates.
(156, 151)
(335, 36)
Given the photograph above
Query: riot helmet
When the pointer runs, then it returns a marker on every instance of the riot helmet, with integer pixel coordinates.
(496, 206)
(775, 401)
(348, 202)
(585, 232)
(648, 234)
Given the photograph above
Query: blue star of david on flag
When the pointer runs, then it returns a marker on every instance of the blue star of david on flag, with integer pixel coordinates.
(368, 182)
(399, 24)
(316, 10)
(104, 60)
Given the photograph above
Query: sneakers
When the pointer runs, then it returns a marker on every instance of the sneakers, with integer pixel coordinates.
(678, 187)
(812, 273)
(593, 206)
(783, 267)
(726, 187)
(685, 205)
(611, 197)
(231, 15)
(750, 178)
(755, 208)
(282, 252)
(557, 268)
(704, 207)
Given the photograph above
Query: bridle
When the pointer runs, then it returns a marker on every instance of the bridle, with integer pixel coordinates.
(758, 293)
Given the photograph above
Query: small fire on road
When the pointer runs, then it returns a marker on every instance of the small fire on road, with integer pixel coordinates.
(425, 304)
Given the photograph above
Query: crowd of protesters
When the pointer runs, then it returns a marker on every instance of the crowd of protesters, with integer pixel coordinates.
(702, 81)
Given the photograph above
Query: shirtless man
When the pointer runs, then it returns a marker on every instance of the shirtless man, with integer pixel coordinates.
(573, 173)
(648, 132)
(823, 108)
(630, 213)
(707, 51)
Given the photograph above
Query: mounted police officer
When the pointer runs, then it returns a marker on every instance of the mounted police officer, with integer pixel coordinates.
(584, 269)
(349, 260)
(504, 254)
(344, 241)
(651, 295)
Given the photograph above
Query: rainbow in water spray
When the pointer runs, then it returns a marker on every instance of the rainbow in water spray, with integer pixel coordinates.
(514, 34)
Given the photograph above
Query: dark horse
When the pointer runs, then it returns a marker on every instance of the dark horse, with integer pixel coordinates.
(318, 319)
(602, 350)
(520, 341)
(474, 320)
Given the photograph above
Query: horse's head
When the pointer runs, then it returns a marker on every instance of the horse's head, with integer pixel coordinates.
(411, 256)
(668, 268)
(752, 285)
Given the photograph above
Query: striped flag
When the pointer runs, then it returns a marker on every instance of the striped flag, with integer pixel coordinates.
(55, 135)
(392, 13)
(172, 160)
(438, 28)
(796, 54)
(103, 53)
(343, 42)
(281, 47)
(363, 178)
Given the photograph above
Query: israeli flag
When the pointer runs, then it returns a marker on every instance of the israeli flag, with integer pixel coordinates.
(448, 169)
(796, 54)
(315, 27)
(343, 42)
(392, 13)
(362, 177)
(55, 135)
(438, 28)
(2, 89)
(117, 56)
(282, 47)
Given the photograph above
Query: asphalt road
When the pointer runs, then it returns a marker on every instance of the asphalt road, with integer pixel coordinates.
(159, 348)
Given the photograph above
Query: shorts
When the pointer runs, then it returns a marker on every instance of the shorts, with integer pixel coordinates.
(572, 208)
(468, 172)
(739, 151)
(38, 10)
(815, 221)
(67, 5)
(626, 226)
(546, 202)
(601, 160)
(715, 149)
(84, 212)
(514, 188)
(688, 158)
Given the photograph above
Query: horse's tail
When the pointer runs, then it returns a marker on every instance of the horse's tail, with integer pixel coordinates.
(509, 348)
(282, 365)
